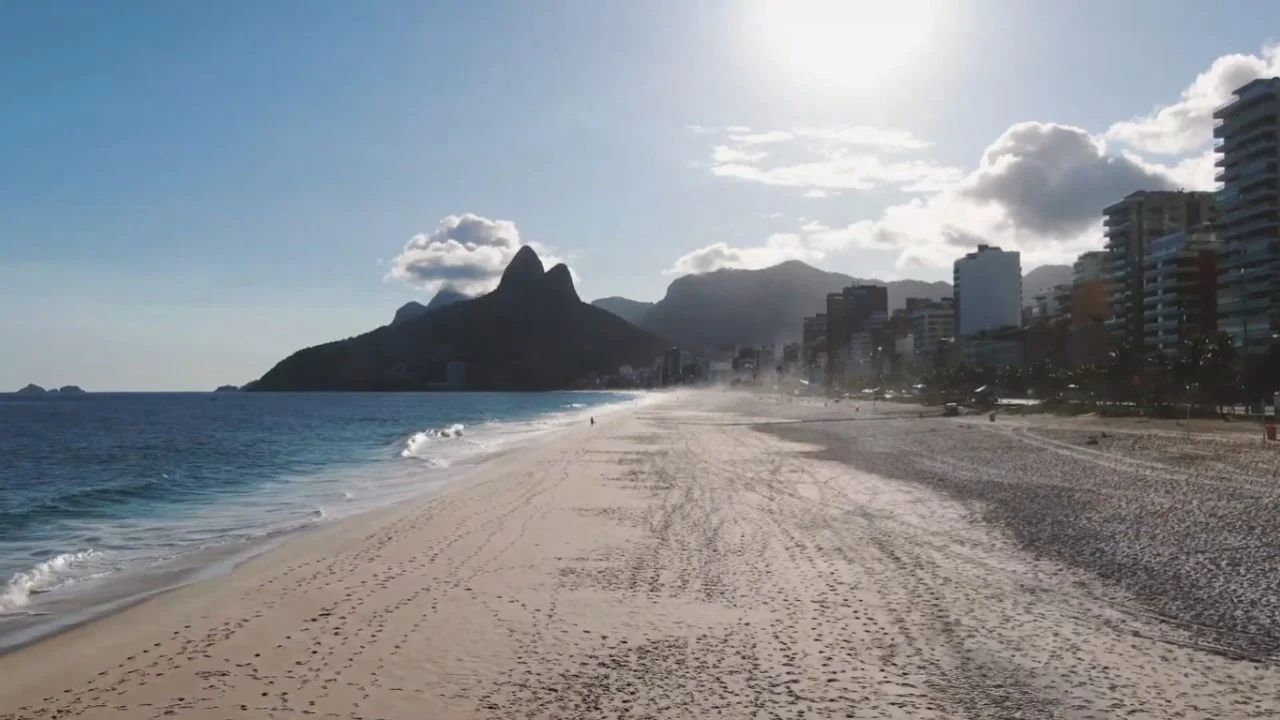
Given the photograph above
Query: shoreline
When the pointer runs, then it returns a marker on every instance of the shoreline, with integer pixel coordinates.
(670, 560)
(67, 608)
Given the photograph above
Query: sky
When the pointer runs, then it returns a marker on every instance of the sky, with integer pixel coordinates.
(191, 191)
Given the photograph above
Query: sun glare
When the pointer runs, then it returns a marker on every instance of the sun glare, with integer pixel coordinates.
(847, 44)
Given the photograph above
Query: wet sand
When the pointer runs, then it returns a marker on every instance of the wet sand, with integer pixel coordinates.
(678, 560)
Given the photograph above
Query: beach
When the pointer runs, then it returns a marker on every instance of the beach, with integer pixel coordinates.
(718, 554)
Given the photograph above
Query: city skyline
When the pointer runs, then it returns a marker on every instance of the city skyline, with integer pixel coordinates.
(191, 195)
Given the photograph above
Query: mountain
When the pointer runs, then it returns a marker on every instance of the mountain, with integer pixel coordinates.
(728, 308)
(31, 389)
(1042, 280)
(446, 296)
(630, 310)
(408, 311)
(413, 308)
(532, 333)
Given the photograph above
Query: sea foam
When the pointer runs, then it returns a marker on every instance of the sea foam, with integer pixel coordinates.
(417, 444)
(41, 577)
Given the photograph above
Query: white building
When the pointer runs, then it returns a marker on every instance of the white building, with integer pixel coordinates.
(930, 325)
(988, 290)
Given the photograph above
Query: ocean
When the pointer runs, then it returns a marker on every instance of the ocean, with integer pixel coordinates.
(105, 498)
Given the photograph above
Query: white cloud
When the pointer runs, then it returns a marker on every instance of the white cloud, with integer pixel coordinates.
(1038, 188)
(826, 161)
(1054, 179)
(1187, 124)
(778, 247)
(842, 172)
(465, 252)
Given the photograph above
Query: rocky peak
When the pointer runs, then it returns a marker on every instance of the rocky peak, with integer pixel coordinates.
(524, 272)
(560, 283)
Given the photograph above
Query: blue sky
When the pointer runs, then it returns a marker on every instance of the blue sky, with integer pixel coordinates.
(190, 191)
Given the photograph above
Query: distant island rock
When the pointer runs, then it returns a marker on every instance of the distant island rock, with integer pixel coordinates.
(413, 308)
(34, 389)
(226, 388)
(531, 333)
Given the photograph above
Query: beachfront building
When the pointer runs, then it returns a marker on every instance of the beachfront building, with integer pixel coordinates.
(930, 325)
(813, 345)
(1087, 337)
(1131, 226)
(1179, 291)
(1248, 135)
(987, 290)
(855, 309)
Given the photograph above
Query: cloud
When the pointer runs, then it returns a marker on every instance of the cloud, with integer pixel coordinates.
(1038, 188)
(826, 161)
(778, 247)
(1187, 124)
(1054, 179)
(465, 252)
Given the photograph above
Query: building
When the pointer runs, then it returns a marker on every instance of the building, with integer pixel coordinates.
(930, 325)
(813, 342)
(1130, 226)
(790, 356)
(988, 290)
(1179, 291)
(671, 366)
(857, 308)
(1089, 266)
(993, 348)
(1248, 136)
(1088, 342)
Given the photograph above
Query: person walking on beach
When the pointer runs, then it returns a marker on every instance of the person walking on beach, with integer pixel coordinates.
(593, 421)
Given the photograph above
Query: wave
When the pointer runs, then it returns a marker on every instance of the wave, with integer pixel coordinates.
(42, 577)
(576, 406)
(418, 443)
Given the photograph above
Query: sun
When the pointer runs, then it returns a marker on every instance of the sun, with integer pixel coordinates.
(847, 44)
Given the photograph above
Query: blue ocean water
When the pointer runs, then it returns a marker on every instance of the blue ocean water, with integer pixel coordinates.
(94, 486)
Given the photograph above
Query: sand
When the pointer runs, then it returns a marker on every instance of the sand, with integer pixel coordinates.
(672, 561)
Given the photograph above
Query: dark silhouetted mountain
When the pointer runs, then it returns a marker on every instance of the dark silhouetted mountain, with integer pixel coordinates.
(32, 389)
(532, 333)
(69, 390)
(1042, 280)
(446, 296)
(727, 308)
(408, 311)
(226, 389)
(413, 308)
(630, 310)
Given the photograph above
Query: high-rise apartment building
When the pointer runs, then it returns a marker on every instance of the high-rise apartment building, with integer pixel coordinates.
(988, 290)
(857, 308)
(1179, 291)
(1131, 225)
(1248, 136)
(930, 325)
(1087, 341)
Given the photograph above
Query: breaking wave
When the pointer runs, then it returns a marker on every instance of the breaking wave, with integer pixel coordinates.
(418, 443)
(41, 577)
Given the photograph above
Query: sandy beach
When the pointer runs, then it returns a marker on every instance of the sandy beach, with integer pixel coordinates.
(722, 555)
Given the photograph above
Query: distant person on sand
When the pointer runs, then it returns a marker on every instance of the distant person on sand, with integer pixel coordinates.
(593, 420)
